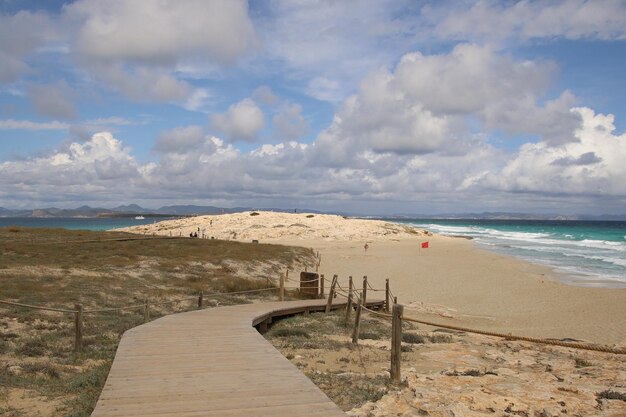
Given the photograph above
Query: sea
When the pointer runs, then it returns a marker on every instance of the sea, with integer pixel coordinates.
(77, 223)
(583, 253)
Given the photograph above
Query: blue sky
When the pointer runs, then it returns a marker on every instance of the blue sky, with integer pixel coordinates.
(375, 107)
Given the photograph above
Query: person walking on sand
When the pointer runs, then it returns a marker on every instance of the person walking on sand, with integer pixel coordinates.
(366, 247)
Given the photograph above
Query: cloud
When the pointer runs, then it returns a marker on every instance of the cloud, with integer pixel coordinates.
(569, 19)
(193, 165)
(290, 123)
(53, 100)
(20, 35)
(198, 100)
(142, 83)
(11, 124)
(595, 164)
(96, 169)
(328, 46)
(135, 47)
(588, 158)
(476, 80)
(243, 121)
(265, 95)
(154, 32)
(433, 103)
(183, 140)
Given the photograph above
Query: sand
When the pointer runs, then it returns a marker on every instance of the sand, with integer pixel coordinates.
(453, 281)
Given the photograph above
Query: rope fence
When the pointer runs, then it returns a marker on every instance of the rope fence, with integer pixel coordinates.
(79, 311)
(509, 336)
(356, 300)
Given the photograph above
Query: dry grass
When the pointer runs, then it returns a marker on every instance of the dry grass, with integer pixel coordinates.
(319, 344)
(58, 268)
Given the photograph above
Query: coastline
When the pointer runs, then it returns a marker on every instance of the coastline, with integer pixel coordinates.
(456, 282)
(453, 281)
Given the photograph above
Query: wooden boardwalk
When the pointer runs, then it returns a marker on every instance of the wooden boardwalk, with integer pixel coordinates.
(211, 362)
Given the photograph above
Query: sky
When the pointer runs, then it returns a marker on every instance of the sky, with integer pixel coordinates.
(365, 106)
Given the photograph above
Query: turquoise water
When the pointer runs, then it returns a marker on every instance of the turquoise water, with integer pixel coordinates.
(587, 253)
(76, 223)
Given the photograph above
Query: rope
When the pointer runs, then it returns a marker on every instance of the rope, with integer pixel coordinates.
(60, 310)
(240, 292)
(377, 313)
(106, 310)
(132, 307)
(597, 348)
(123, 239)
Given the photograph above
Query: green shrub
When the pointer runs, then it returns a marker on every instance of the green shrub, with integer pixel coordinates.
(413, 338)
(32, 347)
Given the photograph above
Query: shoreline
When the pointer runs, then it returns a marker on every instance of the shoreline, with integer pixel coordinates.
(454, 281)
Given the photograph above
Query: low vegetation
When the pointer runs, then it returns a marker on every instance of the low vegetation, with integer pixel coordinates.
(40, 375)
(351, 375)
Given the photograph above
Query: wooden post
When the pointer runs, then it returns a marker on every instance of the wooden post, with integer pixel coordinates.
(331, 294)
(349, 304)
(396, 341)
(364, 296)
(357, 324)
(200, 299)
(78, 324)
(387, 295)
(281, 291)
(146, 311)
(322, 286)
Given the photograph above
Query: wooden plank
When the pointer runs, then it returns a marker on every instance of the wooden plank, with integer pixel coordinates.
(211, 363)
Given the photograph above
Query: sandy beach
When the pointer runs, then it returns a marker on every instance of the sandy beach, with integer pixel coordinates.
(453, 281)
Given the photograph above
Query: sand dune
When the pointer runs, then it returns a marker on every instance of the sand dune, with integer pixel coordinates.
(265, 225)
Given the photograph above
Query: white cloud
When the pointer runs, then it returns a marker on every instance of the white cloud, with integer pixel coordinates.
(142, 83)
(198, 100)
(326, 89)
(595, 164)
(432, 104)
(290, 123)
(9, 124)
(243, 121)
(184, 140)
(96, 168)
(154, 32)
(265, 95)
(20, 35)
(136, 47)
(53, 100)
(192, 164)
(569, 19)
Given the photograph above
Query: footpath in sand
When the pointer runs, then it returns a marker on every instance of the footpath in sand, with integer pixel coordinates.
(452, 281)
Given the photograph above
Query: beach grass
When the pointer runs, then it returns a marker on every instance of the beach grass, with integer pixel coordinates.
(59, 268)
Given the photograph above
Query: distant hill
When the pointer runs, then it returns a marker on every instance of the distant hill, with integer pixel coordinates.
(194, 210)
(510, 216)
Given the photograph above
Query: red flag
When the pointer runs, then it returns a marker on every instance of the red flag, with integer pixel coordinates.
(424, 245)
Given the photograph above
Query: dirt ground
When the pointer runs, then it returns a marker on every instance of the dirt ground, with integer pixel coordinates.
(449, 373)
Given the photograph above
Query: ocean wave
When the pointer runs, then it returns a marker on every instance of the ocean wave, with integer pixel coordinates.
(579, 254)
